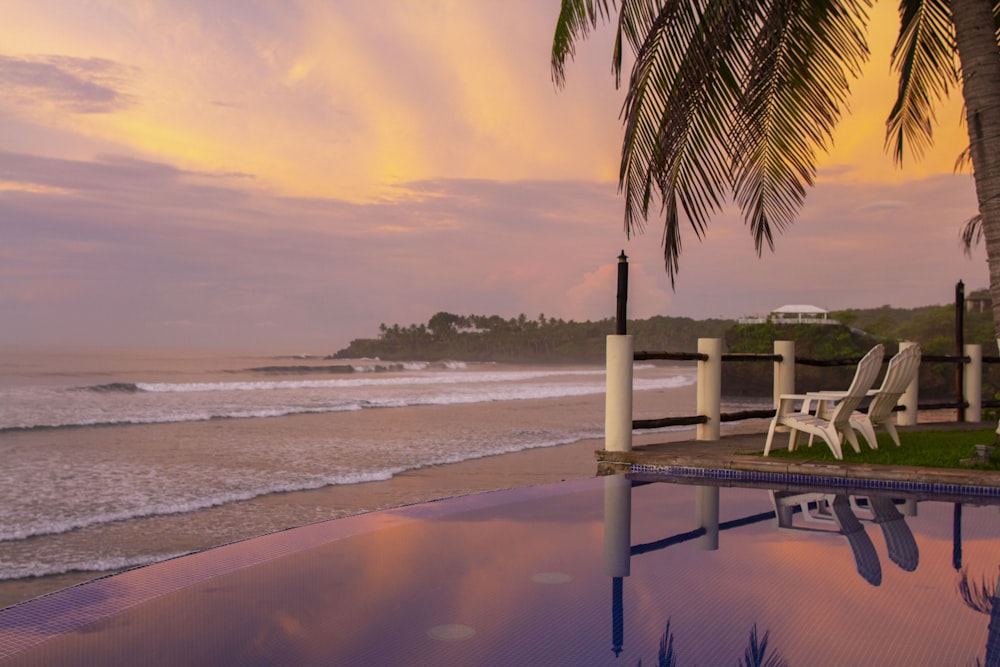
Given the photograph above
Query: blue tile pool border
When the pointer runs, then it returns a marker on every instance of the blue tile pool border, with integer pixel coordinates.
(798, 479)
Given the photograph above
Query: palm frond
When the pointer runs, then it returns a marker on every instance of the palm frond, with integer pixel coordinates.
(724, 97)
(924, 58)
(576, 19)
(972, 233)
(964, 160)
(792, 100)
(678, 112)
(996, 21)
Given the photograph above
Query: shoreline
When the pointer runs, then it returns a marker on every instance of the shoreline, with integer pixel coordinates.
(523, 468)
(527, 467)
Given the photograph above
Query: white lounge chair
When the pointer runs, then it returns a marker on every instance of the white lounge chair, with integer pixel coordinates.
(902, 369)
(832, 425)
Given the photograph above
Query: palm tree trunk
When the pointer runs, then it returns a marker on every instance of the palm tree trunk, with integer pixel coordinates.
(979, 56)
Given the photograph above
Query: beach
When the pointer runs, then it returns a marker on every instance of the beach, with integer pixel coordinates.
(525, 468)
(152, 470)
(279, 511)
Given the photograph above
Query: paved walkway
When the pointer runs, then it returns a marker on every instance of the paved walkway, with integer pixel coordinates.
(734, 452)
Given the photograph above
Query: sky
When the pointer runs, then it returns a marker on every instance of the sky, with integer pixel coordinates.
(288, 175)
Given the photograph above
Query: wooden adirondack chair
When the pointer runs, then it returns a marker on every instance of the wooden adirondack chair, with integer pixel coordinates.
(833, 424)
(902, 369)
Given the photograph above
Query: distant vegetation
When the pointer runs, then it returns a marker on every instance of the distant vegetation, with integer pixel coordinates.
(447, 336)
(523, 340)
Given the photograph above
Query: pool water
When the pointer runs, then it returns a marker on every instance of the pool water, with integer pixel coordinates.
(604, 571)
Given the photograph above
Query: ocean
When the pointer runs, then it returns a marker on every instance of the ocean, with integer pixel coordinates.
(119, 458)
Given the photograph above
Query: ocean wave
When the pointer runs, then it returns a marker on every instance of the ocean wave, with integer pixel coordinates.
(122, 387)
(10, 571)
(61, 526)
(339, 368)
(446, 377)
(450, 392)
(50, 527)
(178, 418)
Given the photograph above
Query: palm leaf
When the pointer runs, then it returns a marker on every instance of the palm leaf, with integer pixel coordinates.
(725, 96)
(576, 19)
(732, 95)
(972, 233)
(924, 58)
(792, 101)
(678, 112)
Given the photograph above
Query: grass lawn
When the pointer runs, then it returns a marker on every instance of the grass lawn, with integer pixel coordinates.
(932, 449)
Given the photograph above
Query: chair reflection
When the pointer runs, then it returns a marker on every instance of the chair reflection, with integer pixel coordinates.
(838, 513)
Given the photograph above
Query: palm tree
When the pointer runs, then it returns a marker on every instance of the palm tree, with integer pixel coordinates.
(735, 98)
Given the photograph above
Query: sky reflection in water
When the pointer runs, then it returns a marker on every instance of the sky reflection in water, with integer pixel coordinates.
(555, 575)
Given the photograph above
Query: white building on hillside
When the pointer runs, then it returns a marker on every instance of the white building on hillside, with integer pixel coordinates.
(793, 314)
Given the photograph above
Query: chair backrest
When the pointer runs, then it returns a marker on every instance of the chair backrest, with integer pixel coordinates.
(902, 369)
(864, 378)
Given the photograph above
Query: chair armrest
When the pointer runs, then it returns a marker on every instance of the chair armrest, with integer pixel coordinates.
(786, 403)
(832, 395)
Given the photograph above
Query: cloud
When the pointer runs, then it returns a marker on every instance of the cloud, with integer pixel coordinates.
(77, 85)
(111, 249)
(295, 175)
(881, 206)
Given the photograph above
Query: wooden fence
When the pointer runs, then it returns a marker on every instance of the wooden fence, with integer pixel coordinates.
(619, 424)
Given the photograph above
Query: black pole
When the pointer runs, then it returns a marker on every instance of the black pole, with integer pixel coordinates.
(956, 537)
(960, 348)
(620, 316)
(617, 617)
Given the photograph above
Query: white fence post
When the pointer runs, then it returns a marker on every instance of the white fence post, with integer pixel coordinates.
(784, 370)
(973, 390)
(618, 395)
(710, 387)
(910, 397)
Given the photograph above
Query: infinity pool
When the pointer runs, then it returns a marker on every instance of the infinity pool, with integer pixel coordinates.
(604, 571)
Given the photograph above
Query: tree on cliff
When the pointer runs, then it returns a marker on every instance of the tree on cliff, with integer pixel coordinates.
(736, 97)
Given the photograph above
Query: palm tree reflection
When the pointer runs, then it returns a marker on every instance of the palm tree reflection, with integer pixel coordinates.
(755, 654)
(985, 599)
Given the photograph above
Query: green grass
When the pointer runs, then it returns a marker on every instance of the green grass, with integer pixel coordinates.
(931, 449)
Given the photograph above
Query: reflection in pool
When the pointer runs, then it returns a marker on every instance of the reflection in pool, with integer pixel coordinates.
(608, 570)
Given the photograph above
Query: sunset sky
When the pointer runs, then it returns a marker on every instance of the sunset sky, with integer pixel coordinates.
(288, 175)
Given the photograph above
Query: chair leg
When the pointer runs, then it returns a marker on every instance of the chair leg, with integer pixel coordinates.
(852, 438)
(868, 431)
(832, 439)
(793, 439)
(891, 430)
(770, 436)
